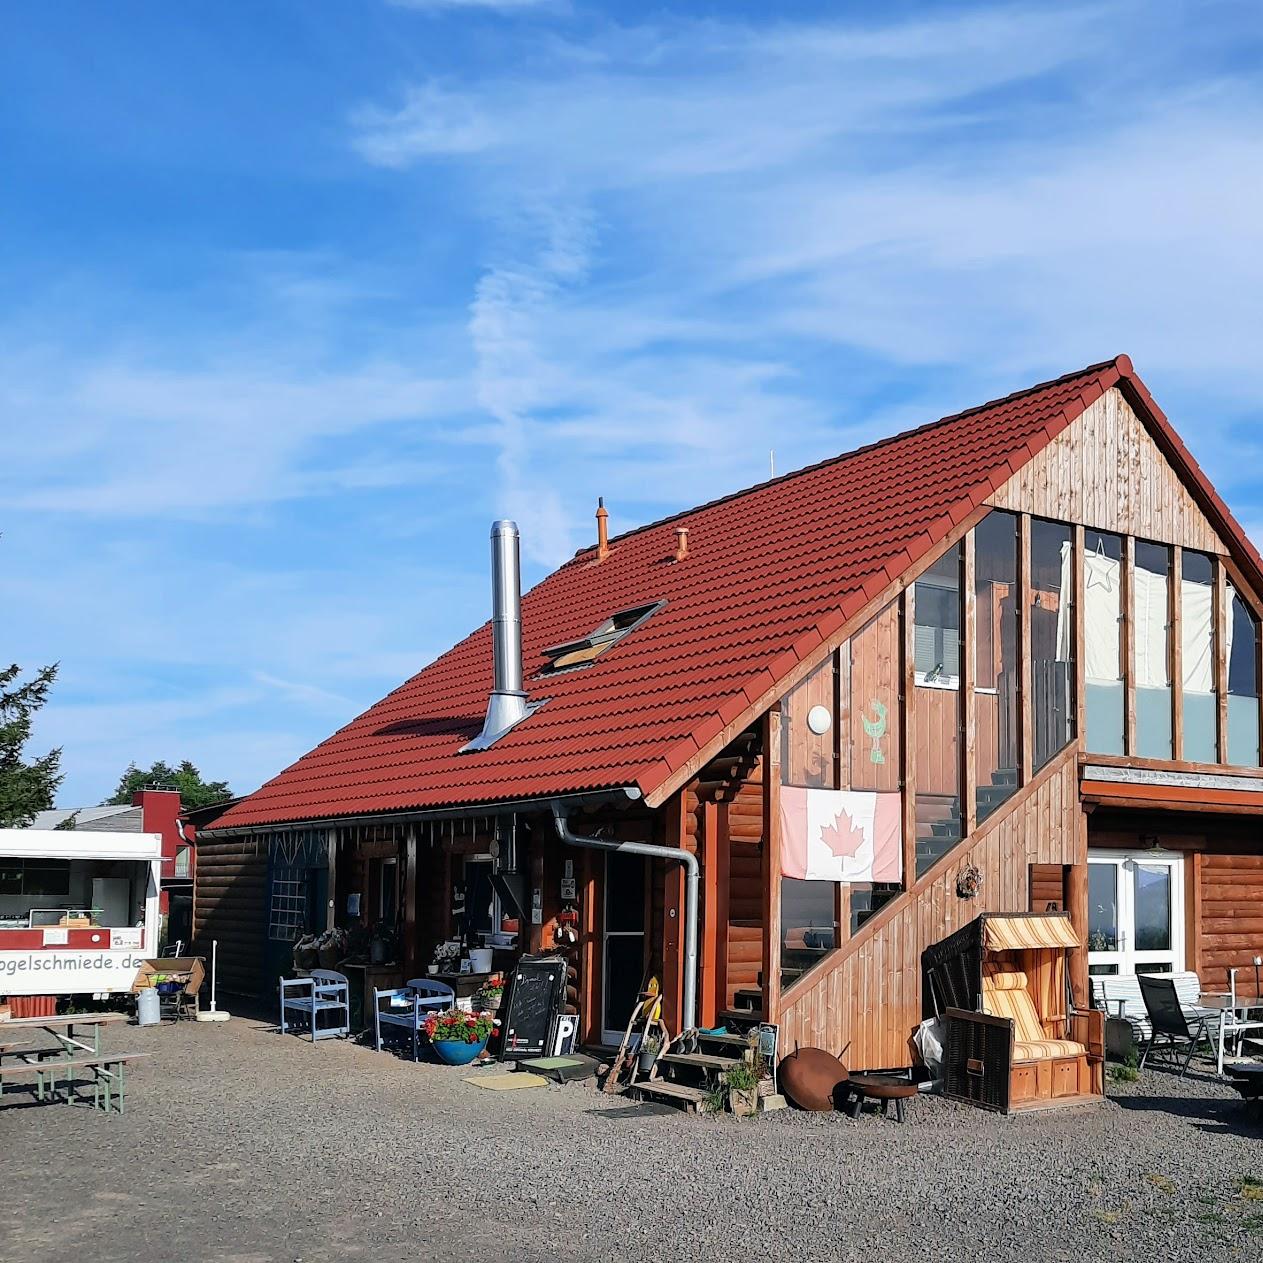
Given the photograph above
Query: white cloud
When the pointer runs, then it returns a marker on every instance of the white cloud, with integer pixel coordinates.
(968, 202)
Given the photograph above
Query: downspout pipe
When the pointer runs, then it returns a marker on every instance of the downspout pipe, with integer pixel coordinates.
(691, 889)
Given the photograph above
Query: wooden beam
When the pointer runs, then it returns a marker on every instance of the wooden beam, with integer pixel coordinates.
(806, 665)
(673, 909)
(772, 864)
(1026, 756)
(723, 881)
(1222, 614)
(969, 684)
(1077, 907)
(712, 948)
(331, 854)
(592, 869)
(1129, 644)
(411, 956)
(1193, 911)
(1080, 655)
(1170, 765)
(842, 714)
(1176, 621)
(907, 745)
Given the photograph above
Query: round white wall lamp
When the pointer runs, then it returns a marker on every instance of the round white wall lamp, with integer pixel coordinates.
(819, 720)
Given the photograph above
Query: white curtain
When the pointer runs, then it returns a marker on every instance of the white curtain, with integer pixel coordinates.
(1153, 662)
(1102, 606)
(1197, 606)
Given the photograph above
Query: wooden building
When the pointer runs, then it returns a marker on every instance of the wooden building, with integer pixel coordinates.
(1008, 661)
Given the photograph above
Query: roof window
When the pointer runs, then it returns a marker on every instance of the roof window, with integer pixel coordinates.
(581, 653)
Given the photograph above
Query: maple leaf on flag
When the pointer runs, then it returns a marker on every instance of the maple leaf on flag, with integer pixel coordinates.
(843, 837)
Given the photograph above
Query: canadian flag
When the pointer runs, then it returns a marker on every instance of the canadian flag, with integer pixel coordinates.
(841, 835)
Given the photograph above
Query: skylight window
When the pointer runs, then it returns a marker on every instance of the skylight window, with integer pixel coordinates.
(582, 653)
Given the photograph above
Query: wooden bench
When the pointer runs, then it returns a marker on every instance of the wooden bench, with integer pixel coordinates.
(108, 1077)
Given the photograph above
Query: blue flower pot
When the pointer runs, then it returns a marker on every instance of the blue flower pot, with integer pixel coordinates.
(456, 1052)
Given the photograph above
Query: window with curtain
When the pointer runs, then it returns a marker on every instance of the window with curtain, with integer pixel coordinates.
(1104, 699)
(1151, 601)
(937, 622)
(997, 719)
(1243, 682)
(1197, 639)
(1052, 639)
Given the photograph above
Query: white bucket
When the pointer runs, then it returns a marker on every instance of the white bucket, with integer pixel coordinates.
(148, 1009)
(480, 960)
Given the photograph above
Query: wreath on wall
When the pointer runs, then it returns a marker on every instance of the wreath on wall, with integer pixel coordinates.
(969, 881)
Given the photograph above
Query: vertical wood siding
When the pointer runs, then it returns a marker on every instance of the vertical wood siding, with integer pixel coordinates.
(1105, 471)
(868, 992)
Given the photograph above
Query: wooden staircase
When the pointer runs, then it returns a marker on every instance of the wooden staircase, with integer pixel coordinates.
(690, 1069)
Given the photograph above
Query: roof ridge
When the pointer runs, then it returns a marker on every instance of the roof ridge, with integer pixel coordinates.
(1090, 370)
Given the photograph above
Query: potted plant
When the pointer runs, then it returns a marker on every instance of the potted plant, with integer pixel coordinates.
(742, 1082)
(647, 1054)
(487, 998)
(458, 1037)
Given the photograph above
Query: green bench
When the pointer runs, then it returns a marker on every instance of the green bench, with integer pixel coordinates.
(107, 1077)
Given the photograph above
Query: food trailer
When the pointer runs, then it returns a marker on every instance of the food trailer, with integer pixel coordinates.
(79, 910)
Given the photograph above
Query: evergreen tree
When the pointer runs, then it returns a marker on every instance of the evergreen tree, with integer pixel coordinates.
(194, 791)
(25, 787)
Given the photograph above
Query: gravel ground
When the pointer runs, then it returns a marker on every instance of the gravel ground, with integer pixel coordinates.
(242, 1144)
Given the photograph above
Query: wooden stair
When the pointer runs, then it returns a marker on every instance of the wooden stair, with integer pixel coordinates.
(690, 1069)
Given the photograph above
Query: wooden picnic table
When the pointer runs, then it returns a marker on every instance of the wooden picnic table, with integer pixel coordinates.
(54, 1068)
(67, 1023)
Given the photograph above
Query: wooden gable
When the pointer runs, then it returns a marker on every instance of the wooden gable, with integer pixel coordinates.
(1105, 470)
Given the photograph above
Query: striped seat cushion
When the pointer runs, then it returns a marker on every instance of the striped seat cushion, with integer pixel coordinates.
(1042, 1049)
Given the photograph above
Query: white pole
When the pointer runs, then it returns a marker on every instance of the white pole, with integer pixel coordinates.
(214, 1014)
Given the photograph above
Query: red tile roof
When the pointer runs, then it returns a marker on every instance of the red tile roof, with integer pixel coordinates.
(771, 572)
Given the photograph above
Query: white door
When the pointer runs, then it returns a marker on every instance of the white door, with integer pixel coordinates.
(1135, 912)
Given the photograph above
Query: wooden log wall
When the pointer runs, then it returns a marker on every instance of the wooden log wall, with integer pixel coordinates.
(1229, 920)
(230, 904)
(868, 993)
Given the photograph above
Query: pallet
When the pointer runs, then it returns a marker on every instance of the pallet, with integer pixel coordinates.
(690, 1098)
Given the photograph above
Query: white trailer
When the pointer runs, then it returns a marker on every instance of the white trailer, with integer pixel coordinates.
(79, 910)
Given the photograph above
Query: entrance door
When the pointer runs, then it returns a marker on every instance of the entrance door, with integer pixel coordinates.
(1135, 912)
(623, 941)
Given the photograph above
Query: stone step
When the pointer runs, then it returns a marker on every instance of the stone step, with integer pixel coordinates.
(683, 1094)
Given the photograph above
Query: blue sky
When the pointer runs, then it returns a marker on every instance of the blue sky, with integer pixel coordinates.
(298, 297)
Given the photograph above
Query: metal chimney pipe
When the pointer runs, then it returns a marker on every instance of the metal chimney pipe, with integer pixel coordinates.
(507, 704)
(506, 607)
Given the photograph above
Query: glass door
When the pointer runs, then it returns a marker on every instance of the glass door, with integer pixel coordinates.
(623, 940)
(1135, 912)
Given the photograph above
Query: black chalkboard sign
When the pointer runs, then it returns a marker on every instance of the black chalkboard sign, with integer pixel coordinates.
(537, 992)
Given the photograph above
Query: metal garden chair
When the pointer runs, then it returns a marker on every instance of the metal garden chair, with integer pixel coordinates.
(407, 1006)
(1175, 1031)
(324, 991)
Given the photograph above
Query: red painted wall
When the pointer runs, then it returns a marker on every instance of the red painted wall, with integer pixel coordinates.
(160, 813)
